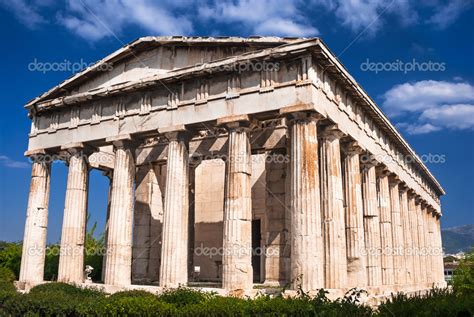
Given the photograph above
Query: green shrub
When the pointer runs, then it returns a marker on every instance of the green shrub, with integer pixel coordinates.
(129, 303)
(463, 278)
(50, 299)
(279, 306)
(218, 306)
(133, 293)
(7, 290)
(438, 302)
(65, 290)
(59, 299)
(10, 257)
(183, 296)
(6, 275)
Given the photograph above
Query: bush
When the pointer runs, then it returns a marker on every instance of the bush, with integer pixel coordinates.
(463, 278)
(59, 299)
(64, 289)
(438, 302)
(7, 275)
(50, 299)
(10, 257)
(183, 296)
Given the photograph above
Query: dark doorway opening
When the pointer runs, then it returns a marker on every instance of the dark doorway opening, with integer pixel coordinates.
(256, 250)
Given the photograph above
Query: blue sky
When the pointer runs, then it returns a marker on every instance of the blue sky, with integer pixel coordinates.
(413, 57)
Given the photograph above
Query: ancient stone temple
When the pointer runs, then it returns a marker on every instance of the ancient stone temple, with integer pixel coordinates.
(233, 162)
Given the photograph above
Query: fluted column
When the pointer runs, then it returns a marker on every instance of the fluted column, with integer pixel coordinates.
(34, 241)
(237, 245)
(71, 259)
(428, 245)
(354, 217)
(397, 233)
(306, 241)
(439, 258)
(371, 224)
(119, 240)
(174, 249)
(332, 198)
(414, 236)
(421, 242)
(407, 236)
(386, 239)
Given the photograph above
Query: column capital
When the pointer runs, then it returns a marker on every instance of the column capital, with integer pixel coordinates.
(352, 147)
(175, 133)
(394, 179)
(299, 108)
(368, 160)
(402, 187)
(418, 199)
(46, 156)
(30, 153)
(382, 171)
(237, 121)
(78, 147)
(331, 132)
(302, 116)
(122, 141)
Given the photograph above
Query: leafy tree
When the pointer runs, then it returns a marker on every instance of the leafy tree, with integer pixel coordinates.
(463, 279)
(10, 256)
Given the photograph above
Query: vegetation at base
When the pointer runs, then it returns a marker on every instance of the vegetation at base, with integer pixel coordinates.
(463, 278)
(59, 299)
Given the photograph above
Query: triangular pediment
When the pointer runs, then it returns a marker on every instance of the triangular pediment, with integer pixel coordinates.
(151, 56)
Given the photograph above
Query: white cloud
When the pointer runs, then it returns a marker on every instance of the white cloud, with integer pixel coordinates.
(429, 105)
(97, 19)
(447, 14)
(27, 14)
(369, 15)
(418, 128)
(284, 27)
(425, 94)
(8, 162)
(457, 116)
(265, 17)
(94, 20)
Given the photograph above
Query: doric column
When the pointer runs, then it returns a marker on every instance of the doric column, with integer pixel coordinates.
(412, 214)
(371, 223)
(407, 236)
(439, 258)
(237, 245)
(354, 217)
(421, 242)
(428, 244)
(397, 233)
(71, 259)
(174, 248)
(306, 241)
(34, 241)
(385, 214)
(119, 239)
(332, 198)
